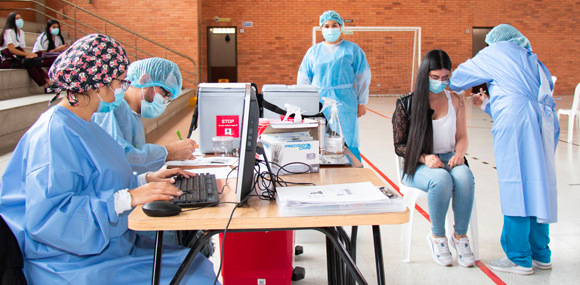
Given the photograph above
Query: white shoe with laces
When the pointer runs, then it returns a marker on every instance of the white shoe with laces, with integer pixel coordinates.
(440, 250)
(465, 257)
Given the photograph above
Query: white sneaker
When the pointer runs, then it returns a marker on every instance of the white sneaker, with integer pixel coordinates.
(505, 265)
(541, 265)
(465, 257)
(440, 250)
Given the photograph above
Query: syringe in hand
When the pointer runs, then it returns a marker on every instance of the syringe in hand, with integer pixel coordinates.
(471, 96)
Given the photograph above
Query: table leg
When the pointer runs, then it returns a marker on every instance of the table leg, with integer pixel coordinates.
(178, 238)
(195, 249)
(333, 237)
(157, 258)
(379, 255)
(330, 260)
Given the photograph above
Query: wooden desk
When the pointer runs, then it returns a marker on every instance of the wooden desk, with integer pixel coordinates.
(263, 215)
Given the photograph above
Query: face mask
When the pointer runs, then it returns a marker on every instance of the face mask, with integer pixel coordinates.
(105, 107)
(20, 23)
(54, 32)
(153, 109)
(437, 86)
(331, 35)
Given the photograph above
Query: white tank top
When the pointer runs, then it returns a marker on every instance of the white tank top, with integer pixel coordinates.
(444, 130)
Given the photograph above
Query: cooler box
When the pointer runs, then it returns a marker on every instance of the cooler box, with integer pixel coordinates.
(303, 96)
(220, 107)
(258, 258)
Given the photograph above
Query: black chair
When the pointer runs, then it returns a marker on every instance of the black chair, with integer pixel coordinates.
(10, 257)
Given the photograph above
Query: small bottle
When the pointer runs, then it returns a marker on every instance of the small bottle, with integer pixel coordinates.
(321, 133)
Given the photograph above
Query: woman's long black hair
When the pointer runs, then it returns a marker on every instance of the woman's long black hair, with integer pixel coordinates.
(49, 34)
(10, 24)
(420, 139)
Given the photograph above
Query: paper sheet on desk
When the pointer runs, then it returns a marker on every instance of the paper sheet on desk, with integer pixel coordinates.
(336, 194)
(205, 161)
(219, 172)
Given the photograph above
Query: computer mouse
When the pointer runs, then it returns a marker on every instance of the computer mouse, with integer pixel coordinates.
(161, 209)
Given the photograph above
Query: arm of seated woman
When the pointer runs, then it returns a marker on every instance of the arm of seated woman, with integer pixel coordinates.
(461, 141)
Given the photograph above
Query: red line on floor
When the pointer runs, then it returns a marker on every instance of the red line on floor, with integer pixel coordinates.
(378, 113)
(479, 264)
(489, 273)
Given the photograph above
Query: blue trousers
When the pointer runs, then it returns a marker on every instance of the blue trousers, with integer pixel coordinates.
(524, 239)
(442, 184)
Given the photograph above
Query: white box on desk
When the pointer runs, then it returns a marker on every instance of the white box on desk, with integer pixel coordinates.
(282, 153)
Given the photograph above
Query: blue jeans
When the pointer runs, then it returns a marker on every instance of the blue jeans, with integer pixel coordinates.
(441, 184)
(524, 239)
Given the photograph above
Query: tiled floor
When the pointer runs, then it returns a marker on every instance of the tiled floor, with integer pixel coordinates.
(377, 147)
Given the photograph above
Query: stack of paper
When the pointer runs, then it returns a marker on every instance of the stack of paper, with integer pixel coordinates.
(337, 199)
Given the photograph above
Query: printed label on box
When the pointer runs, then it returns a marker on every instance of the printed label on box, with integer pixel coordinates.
(228, 126)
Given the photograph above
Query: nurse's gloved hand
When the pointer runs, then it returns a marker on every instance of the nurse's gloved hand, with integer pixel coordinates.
(180, 150)
(153, 191)
(165, 175)
(478, 99)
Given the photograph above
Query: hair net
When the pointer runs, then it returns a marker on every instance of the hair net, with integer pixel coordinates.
(156, 72)
(331, 15)
(89, 64)
(505, 32)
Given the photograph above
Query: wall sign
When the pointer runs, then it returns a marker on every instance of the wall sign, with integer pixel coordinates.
(247, 24)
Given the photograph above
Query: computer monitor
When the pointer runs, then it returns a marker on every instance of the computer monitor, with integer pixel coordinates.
(248, 140)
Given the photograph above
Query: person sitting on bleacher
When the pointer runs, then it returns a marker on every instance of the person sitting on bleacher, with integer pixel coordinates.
(154, 83)
(430, 132)
(12, 44)
(51, 43)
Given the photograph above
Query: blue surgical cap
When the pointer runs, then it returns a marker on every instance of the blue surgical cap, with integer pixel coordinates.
(157, 72)
(505, 32)
(331, 15)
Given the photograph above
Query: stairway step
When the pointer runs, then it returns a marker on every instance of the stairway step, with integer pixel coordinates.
(16, 83)
(17, 115)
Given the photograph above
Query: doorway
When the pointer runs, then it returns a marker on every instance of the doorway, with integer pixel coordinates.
(222, 54)
(478, 43)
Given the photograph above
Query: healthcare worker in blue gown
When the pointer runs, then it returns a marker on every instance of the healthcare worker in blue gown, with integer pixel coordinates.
(525, 134)
(154, 83)
(334, 66)
(68, 189)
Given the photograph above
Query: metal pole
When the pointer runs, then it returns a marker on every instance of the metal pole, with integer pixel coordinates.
(76, 23)
(157, 258)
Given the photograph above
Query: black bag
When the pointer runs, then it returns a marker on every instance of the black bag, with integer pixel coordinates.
(32, 62)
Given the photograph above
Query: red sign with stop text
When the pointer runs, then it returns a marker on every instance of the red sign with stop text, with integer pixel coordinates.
(227, 126)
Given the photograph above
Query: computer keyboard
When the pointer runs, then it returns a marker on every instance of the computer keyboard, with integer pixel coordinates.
(198, 191)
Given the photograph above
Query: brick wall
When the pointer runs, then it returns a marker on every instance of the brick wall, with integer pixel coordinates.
(272, 50)
(26, 15)
(171, 23)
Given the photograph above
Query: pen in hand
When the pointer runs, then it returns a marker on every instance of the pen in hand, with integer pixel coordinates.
(179, 135)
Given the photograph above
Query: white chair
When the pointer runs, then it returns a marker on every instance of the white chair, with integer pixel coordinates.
(411, 197)
(573, 114)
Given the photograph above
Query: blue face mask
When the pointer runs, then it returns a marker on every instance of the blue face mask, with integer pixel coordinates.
(437, 86)
(105, 107)
(331, 35)
(54, 32)
(19, 23)
(153, 109)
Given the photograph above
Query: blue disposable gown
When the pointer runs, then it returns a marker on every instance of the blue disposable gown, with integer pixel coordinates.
(526, 177)
(336, 75)
(126, 127)
(57, 198)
